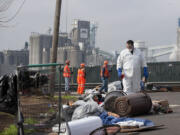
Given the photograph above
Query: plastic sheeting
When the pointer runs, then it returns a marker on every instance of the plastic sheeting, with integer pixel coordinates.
(89, 108)
(8, 93)
(131, 123)
(115, 86)
(110, 120)
(67, 112)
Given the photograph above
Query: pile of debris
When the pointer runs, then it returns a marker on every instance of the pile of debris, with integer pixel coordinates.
(110, 112)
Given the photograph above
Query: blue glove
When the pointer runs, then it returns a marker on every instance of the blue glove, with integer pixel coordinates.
(145, 72)
(119, 72)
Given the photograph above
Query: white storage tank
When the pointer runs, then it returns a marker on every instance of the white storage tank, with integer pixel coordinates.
(81, 46)
(142, 46)
(178, 43)
(175, 56)
(61, 55)
(76, 57)
(45, 56)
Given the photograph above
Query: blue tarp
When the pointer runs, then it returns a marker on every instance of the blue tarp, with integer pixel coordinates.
(110, 120)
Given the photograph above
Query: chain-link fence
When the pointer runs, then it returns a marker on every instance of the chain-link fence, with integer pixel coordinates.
(38, 102)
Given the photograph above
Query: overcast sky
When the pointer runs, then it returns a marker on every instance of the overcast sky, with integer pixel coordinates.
(154, 21)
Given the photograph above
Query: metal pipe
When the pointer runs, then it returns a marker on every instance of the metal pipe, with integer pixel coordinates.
(19, 114)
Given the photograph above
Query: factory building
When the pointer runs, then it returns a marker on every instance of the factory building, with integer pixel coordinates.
(10, 59)
(80, 33)
(78, 47)
(40, 46)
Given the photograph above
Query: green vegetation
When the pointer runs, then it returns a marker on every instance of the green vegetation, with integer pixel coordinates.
(51, 110)
(30, 121)
(12, 130)
(68, 97)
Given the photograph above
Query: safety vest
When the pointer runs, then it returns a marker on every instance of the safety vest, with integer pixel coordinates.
(67, 72)
(106, 73)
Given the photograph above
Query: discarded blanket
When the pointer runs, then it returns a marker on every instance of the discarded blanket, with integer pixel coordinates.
(110, 120)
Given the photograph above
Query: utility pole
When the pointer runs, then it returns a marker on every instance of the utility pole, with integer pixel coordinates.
(55, 45)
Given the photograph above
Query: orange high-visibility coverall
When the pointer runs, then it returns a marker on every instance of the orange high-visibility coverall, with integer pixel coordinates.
(81, 80)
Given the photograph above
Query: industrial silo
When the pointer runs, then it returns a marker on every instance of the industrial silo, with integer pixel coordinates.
(178, 42)
(61, 55)
(175, 56)
(35, 49)
(45, 56)
(142, 46)
(68, 52)
(76, 57)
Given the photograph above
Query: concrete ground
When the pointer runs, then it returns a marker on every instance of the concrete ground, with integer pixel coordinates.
(171, 121)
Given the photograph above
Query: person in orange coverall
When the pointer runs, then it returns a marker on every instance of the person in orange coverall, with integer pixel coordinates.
(81, 79)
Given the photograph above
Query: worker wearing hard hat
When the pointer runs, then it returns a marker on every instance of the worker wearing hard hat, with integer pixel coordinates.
(81, 79)
(131, 60)
(104, 76)
(67, 76)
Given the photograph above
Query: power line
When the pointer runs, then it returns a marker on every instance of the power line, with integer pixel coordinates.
(4, 5)
(17, 12)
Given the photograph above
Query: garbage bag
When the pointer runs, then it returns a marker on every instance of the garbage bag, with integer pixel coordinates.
(90, 91)
(66, 113)
(8, 93)
(89, 95)
(79, 102)
(115, 86)
(90, 108)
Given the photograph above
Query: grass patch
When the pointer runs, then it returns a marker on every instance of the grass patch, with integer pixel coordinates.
(30, 121)
(12, 130)
(51, 110)
(66, 97)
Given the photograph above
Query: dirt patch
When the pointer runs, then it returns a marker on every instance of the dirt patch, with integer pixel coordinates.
(36, 110)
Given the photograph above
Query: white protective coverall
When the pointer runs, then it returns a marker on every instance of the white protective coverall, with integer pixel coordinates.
(131, 64)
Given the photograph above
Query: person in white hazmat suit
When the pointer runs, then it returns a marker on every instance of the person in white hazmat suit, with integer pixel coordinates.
(131, 61)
